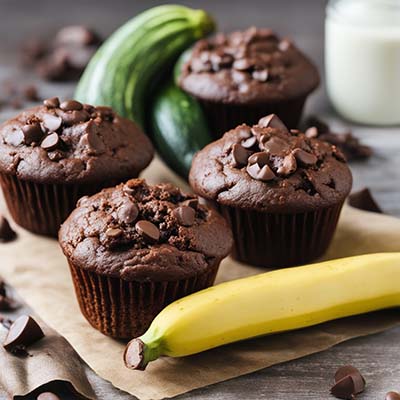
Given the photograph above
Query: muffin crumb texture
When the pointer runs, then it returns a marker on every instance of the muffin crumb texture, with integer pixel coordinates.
(137, 231)
(250, 67)
(271, 168)
(72, 142)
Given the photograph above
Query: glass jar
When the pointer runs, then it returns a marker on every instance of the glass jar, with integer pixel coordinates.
(362, 59)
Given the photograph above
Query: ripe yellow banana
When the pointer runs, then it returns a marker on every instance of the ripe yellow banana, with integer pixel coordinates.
(272, 302)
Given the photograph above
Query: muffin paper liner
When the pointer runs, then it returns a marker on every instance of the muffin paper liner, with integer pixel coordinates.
(223, 117)
(125, 309)
(42, 208)
(275, 240)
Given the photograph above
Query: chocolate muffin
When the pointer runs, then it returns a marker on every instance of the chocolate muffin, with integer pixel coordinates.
(53, 154)
(135, 248)
(246, 75)
(282, 191)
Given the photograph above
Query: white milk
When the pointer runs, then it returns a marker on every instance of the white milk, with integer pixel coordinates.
(362, 57)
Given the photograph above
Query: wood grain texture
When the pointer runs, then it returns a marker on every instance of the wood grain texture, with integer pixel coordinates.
(308, 378)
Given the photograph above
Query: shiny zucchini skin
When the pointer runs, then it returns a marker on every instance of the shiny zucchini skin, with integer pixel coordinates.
(127, 67)
(178, 127)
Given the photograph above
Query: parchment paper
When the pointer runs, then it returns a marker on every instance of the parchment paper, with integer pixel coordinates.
(37, 268)
(52, 359)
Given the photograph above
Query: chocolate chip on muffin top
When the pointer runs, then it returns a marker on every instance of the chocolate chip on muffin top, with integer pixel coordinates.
(270, 168)
(254, 66)
(137, 231)
(72, 142)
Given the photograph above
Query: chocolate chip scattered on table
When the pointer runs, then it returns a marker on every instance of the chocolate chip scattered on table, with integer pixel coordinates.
(24, 331)
(348, 383)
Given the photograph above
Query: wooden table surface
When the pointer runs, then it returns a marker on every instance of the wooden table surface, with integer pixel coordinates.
(308, 378)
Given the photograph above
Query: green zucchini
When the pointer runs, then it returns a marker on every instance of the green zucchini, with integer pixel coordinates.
(127, 67)
(178, 127)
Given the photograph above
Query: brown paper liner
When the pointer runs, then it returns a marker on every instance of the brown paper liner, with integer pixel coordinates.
(223, 117)
(41, 208)
(281, 240)
(123, 309)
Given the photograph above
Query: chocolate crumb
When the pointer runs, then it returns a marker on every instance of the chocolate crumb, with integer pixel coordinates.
(350, 145)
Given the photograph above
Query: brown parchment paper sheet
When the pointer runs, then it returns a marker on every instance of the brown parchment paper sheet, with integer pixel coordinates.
(50, 359)
(37, 269)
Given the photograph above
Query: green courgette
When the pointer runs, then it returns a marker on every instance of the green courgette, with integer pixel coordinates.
(128, 66)
(178, 127)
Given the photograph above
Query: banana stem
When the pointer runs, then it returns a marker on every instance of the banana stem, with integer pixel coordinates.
(138, 354)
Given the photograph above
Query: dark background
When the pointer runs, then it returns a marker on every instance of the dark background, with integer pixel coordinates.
(301, 19)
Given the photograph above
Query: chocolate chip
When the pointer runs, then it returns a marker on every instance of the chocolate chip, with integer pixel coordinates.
(392, 396)
(272, 121)
(288, 165)
(32, 133)
(305, 158)
(7, 234)
(260, 75)
(194, 203)
(243, 131)
(274, 145)
(106, 113)
(2, 288)
(249, 143)
(264, 173)
(24, 331)
(311, 132)
(52, 102)
(114, 232)
(261, 158)
(89, 108)
(284, 45)
(358, 379)
(364, 200)
(75, 117)
(50, 142)
(51, 122)
(47, 396)
(93, 141)
(128, 212)
(243, 64)
(185, 215)
(344, 389)
(148, 230)
(240, 155)
(71, 105)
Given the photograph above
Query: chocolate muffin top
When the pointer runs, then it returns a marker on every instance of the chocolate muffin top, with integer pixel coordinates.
(72, 143)
(271, 169)
(250, 67)
(141, 232)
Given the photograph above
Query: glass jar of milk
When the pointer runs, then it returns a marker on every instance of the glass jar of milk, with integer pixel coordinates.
(362, 56)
